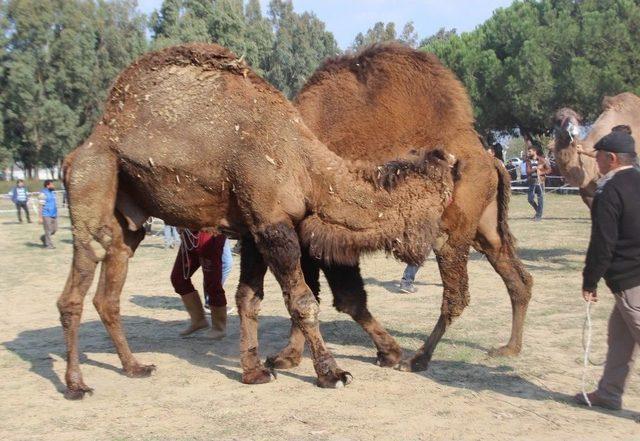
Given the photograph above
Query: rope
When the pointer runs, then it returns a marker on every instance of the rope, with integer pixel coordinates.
(587, 349)
(188, 242)
(586, 335)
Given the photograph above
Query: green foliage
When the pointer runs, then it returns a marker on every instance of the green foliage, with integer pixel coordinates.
(58, 60)
(533, 57)
(381, 32)
(284, 48)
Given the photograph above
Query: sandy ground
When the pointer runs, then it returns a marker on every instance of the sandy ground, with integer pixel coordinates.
(196, 393)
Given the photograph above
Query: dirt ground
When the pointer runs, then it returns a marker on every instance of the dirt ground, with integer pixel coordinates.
(196, 392)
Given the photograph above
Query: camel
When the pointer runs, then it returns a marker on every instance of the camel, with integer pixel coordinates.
(192, 136)
(380, 104)
(575, 157)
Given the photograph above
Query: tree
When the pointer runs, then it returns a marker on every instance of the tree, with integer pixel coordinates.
(62, 56)
(533, 57)
(379, 33)
(301, 43)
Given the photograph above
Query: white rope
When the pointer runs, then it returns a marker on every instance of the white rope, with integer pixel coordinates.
(188, 242)
(587, 349)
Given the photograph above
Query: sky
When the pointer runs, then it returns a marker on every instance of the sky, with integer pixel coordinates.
(345, 18)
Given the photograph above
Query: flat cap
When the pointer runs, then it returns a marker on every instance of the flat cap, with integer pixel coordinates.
(616, 142)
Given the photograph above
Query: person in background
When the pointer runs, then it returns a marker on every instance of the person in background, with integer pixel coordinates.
(20, 197)
(171, 236)
(48, 213)
(614, 254)
(537, 168)
(408, 279)
(201, 249)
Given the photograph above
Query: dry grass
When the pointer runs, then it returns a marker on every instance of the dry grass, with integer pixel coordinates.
(196, 393)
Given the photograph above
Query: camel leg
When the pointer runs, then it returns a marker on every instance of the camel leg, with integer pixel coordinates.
(107, 299)
(248, 297)
(501, 254)
(70, 307)
(452, 261)
(350, 297)
(291, 355)
(279, 245)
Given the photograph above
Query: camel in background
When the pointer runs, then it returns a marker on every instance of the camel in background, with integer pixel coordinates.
(192, 136)
(380, 104)
(574, 156)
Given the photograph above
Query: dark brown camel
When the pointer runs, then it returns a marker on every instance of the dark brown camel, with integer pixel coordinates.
(192, 136)
(380, 104)
(575, 156)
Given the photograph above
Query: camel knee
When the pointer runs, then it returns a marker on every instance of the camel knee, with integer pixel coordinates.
(305, 309)
(280, 242)
(355, 307)
(248, 302)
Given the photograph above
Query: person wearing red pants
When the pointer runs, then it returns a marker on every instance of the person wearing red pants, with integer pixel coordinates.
(201, 249)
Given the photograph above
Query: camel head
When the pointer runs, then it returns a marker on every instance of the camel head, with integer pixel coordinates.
(566, 128)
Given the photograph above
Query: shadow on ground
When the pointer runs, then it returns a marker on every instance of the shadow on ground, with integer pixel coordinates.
(38, 346)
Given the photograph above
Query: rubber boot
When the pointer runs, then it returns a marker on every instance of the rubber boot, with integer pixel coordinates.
(218, 322)
(193, 305)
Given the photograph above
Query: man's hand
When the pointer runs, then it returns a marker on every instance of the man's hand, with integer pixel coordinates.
(590, 296)
(40, 220)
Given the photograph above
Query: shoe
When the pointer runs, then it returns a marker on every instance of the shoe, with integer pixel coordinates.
(50, 247)
(595, 401)
(44, 242)
(193, 304)
(218, 323)
(408, 288)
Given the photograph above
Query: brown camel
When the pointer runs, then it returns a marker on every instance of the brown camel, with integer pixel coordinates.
(194, 137)
(575, 156)
(380, 104)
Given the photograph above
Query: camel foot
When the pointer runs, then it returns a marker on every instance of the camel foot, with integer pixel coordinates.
(504, 351)
(284, 360)
(335, 380)
(260, 375)
(140, 371)
(389, 359)
(77, 392)
(414, 364)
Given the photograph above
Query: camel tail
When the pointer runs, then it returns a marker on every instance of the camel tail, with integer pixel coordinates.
(503, 197)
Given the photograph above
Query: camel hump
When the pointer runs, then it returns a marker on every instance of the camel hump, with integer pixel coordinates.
(619, 101)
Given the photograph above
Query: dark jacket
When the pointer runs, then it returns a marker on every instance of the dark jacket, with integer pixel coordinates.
(614, 249)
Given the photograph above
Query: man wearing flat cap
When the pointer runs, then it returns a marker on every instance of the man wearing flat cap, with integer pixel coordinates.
(614, 254)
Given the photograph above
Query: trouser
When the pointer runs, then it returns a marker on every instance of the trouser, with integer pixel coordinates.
(171, 236)
(50, 225)
(22, 205)
(208, 255)
(623, 341)
(409, 275)
(536, 189)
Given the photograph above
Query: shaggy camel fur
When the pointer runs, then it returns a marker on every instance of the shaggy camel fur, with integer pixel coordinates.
(575, 156)
(192, 136)
(380, 104)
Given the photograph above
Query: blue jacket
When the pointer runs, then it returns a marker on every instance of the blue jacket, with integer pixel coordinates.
(48, 202)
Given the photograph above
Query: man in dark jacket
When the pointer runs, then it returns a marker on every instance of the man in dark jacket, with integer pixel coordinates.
(614, 254)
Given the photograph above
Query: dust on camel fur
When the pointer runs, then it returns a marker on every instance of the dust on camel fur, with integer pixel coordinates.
(383, 103)
(190, 135)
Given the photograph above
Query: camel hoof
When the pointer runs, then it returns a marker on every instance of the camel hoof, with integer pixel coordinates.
(259, 376)
(140, 371)
(504, 351)
(413, 365)
(336, 380)
(282, 362)
(388, 359)
(77, 393)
